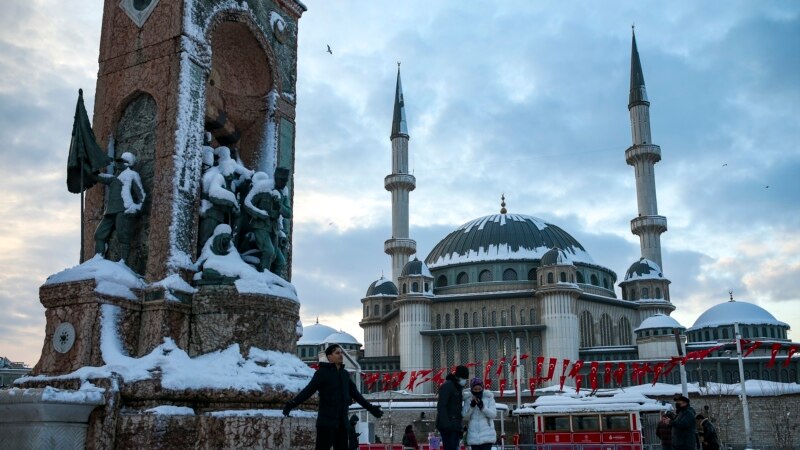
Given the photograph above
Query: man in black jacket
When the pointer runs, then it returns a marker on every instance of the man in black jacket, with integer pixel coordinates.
(336, 393)
(683, 426)
(448, 408)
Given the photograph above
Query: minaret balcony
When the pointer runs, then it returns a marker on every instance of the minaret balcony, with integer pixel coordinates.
(400, 246)
(400, 181)
(653, 224)
(643, 152)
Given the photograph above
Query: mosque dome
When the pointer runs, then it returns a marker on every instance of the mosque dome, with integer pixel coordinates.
(732, 312)
(415, 267)
(658, 321)
(340, 337)
(502, 237)
(381, 287)
(555, 256)
(315, 334)
(644, 269)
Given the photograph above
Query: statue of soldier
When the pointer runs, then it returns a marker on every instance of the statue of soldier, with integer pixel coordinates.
(124, 202)
(265, 204)
(218, 206)
(281, 238)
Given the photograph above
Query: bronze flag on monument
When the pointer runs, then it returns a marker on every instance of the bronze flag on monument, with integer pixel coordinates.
(85, 156)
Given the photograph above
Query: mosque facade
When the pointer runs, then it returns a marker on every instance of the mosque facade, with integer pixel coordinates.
(507, 277)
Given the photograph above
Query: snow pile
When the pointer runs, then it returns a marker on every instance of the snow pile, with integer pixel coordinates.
(88, 393)
(731, 312)
(128, 178)
(755, 388)
(261, 413)
(644, 269)
(112, 278)
(170, 410)
(572, 403)
(506, 252)
(659, 321)
(174, 283)
(225, 369)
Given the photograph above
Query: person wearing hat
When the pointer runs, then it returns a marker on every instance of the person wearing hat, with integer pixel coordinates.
(336, 392)
(352, 433)
(448, 408)
(684, 428)
(664, 430)
(479, 411)
(708, 432)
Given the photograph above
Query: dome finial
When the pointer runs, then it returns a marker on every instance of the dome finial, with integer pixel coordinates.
(730, 292)
(503, 209)
(317, 320)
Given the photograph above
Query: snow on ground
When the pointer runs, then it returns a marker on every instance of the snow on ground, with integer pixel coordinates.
(112, 278)
(88, 393)
(170, 410)
(262, 413)
(224, 369)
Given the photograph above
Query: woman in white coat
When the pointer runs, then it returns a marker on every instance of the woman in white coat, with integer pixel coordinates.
(479, 411)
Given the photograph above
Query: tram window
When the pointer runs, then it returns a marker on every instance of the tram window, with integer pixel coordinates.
(585, 423)
(617, 422)
(556, 423)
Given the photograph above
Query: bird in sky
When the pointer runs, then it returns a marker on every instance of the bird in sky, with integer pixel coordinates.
(329, 49)
(724, 164)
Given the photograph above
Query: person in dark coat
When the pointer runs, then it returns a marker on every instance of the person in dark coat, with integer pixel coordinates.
(448, 408)
(352, 432)
(409, 438)
(709, 433)
(684, 427)
(664, 430)
(336, 393)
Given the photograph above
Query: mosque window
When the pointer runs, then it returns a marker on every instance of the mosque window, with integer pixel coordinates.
(376, 310)
(772, 332)
(405, 288)
(492, 344)
(509, 275)
(715, 334)
(466, 320)
(447, 320)
(579, 274)
(632, 294)
(415, 287)
(303, 352)
(522, 316)
(550, 278)
(427, 288)
(624, 331)
(513, 315)
(562, 277)
(763, 331)
(475, 319)
(533, 316)
(532, 274)
(436, 353)
(462, 278)
(485, 276)
(386, 309)
(606, 330)
(438, 321)
(483, 318)
(503, 318)
(587, 329)
(746, 332)
(456, 319)
(494, 318)
(605, 282)
(645, 293)
(593, 280)
(463, 351)
(441, 281)
(658, 292)
(450, 352)
(707, 335)
(478, 355)
(366, 311)
(725, 333)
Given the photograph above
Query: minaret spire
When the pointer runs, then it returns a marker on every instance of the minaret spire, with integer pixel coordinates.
(643, 155)
(400, 183)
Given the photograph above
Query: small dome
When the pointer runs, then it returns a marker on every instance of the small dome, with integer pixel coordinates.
(381, 287)
(644, 269)
(555, 256)
(659, 321)
(315, 334)
(415, 267)
(732, 312)
(340, 337)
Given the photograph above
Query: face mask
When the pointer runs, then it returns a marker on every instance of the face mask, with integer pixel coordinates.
(462, 382)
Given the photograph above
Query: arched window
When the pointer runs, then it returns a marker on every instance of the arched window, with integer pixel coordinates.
(450, 352)
(484, 318)
(491, 343)
(462, 278)
(441, 281)
(415, 287)
(366, 311)
(509, 275)
(658, 292)
(550, 278)
(447, 320)
(503, 318)
(632, 294)
(438, 321)
(533, 316)
(605, 282)
(725, 333)
(427, 288)
(593, 280)
(463, 351)
(522, 316)
(405, 288)
(466, 320)
(436, 353)
(579, 274)
(606, 330)
(475, 322)
(645, 293)
(513, 315)
(587, 329)
(456, 319)
(494, 318)
(485, 276)
(624, 331)
(376, 310)
(386, 309)
(562, 277)
(532, 274)
(478, 347)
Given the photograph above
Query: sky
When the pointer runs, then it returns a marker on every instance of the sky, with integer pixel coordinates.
(526, 99)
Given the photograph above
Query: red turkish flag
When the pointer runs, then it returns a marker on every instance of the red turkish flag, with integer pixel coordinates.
(372, 379)
(575, 368)
(595, 366)
(551, 369)
(421, 374)
(487, 383)
(578, 381)
(502, 386)
(514, 365)
(314, 366)
(673, 362)
(487, 369)
(539, 365)
(398, 380)
(500, 366)
(532, 385)
(564, 365)
(607, 373)
(562, 379)
(437, 377)
(752, 348)
(635, 373)
(411, 379)
(386, 381)
(792, 351)
(657, 372)
(619, 373)
(515, 387)
(776, 347)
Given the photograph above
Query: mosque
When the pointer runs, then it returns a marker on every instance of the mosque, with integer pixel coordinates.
(505, 276)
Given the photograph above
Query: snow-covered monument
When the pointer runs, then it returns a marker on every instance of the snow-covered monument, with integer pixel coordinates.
(180, 324)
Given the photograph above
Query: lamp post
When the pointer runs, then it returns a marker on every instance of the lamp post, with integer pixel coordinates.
(745, 409)
(682, 366)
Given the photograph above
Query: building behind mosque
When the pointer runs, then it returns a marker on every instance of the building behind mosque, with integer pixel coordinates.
(510, 276)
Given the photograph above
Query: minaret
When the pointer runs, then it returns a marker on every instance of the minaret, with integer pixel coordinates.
(643, 155)
(400, 182)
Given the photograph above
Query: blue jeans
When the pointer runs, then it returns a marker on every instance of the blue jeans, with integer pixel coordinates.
(451, 440)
